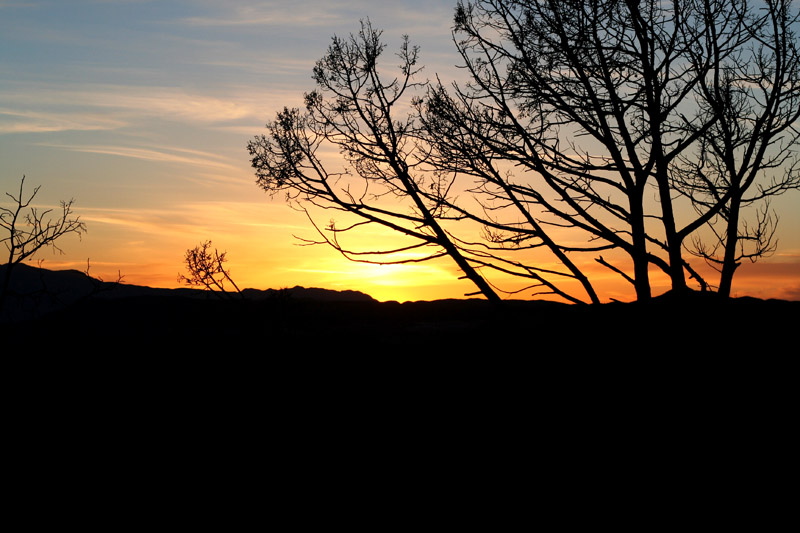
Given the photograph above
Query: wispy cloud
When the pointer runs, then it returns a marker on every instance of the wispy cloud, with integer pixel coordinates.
(238, 219)
(163, 155)
(177, 103)
(286, 14)
(312, 14)
(14, 121)
(163, 102)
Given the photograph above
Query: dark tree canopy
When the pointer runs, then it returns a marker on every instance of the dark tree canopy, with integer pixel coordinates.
(638, 135)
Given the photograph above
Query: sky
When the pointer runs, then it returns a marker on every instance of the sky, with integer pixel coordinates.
(142, 110)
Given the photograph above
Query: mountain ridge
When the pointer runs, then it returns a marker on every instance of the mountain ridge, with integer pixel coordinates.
(51, 290)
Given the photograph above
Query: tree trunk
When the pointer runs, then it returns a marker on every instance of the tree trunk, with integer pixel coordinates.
(729, 263)
(674, 241)
(441, 236)
(470, 272)
(641, 264)
(641, 277)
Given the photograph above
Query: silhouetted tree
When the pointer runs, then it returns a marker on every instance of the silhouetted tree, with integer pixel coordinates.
(596, 102)
(748, 155)
(27, 229)
(206, 269)
(360, 112)
(584, 127)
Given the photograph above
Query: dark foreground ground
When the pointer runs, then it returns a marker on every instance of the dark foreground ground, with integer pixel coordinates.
(66, 310)
(308, 380)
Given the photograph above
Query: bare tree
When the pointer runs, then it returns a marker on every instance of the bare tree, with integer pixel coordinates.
(595, 103)
(570, 93)
(206, 269)
(358, 111)
(586, 129)
(749, 154)
(27, 229)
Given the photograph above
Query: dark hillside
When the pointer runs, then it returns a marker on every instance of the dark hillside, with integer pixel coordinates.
(69, 309)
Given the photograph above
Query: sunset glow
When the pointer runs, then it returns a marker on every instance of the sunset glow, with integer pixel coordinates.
(142, 110)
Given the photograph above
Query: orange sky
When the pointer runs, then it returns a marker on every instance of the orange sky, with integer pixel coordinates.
(142, 111)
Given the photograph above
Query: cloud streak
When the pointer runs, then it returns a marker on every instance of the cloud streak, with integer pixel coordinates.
(15, 121)
(297, 14)
(29, 103)
(163, 155)
(419, 19)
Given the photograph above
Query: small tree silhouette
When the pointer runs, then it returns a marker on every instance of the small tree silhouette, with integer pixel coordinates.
(26, 230)
(206, 269)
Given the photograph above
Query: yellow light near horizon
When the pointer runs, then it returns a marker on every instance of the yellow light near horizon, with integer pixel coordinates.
(404, 282)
